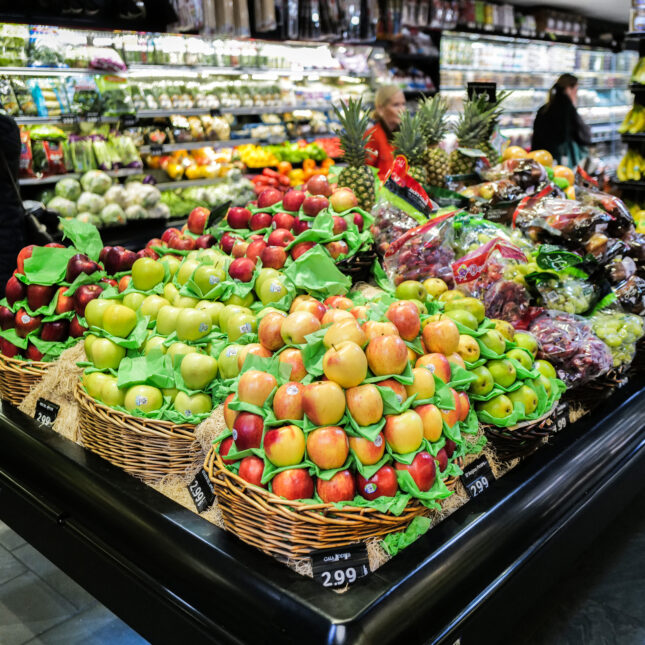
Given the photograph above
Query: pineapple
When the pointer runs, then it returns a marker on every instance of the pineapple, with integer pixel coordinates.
(432, 113)
(473, 128)
(485, 146)
(357, 176)
(408, 141)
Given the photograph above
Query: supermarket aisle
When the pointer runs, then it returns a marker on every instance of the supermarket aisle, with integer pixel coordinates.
(40, 605)
(602, 602)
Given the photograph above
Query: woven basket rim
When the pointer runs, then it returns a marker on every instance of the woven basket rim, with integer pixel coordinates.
(523, 424)
(161, 426)
(22, 365)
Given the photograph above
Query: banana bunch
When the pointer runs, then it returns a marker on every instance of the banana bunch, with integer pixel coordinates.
(638, 75)
(631, 166)
(634, 121)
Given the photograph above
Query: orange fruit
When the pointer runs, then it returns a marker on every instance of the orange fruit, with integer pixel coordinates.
(541, 156)
(514, 152)
(571, 192)
(563, 171)
(284, 167)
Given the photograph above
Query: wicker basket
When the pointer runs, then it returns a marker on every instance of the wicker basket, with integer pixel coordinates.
(522, 439)
(359, 266)
(148, 448)
(290, 529)
(17, 377)
(594, 392)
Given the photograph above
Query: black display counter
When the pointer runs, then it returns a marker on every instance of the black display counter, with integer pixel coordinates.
(170, 574)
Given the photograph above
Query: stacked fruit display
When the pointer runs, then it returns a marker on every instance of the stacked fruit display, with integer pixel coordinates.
(360, 402)
(630, 166)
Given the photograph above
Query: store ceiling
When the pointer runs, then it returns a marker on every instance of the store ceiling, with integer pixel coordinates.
(616, 11)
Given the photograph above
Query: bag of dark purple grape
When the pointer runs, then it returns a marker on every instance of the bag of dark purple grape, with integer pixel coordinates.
(526, 174)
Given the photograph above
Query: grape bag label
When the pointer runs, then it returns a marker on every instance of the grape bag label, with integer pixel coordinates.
(201, 490)
(340, 567)
(46, 412)
(477, 477)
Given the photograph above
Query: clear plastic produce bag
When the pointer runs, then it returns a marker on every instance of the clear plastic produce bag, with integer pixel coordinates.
(523, 173)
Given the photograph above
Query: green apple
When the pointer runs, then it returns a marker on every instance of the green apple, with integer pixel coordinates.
(186, 270)
(435, 287)
(463, 317)
(143, 398)
(227, 361)
(526, 396)
(193, 324)
(498, 407)
(198, 370)
(177, 350)
(240, 302)
(111, 393)
(265, 274)
(192, 255)
(119, 320)
(208, 277)
(167, 320)
(209, 256)
(172, 262)
(503, 372)
(527, 341)
(521, 356)
(185, 302)
(239, 324)
(170, 292)
(494, 341)
(213, 308)
(544, 382)
(545, 368)
(451, 294)
(189, 405)
(474, 306)
(88, 342)
(106, 354)
(93, 382)
(504, 328)
(147, 273)
(94, 311)
(409, 289)
(151, 306)
(227, 312)
(155, 342)
(133, 300)
(268, 310)
(484, 383)
(272, 291)
(170, 392)
(420, 306)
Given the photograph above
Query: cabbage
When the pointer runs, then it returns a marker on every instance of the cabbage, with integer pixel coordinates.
(62, 206)
(136, 211)
(112, 214)
(150, 196)
(68, 188)
(160, 210)
(96, 181)
(133, 187)
(90, 218)
(115, 195)
(143, 194)
(91, 203)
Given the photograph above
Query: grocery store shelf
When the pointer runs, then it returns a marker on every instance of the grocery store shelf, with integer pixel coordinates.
(34, 120)
(193, 145)
(633, 185)
(56, 71)
(633, 138)
(188, 183)
(468, 68)
(237, 110)
(155, 70)
(637, 87)
(52, 179)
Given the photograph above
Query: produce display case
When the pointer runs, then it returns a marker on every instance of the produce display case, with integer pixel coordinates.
(171, 574)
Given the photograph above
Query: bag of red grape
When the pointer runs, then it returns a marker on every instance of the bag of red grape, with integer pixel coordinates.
(402, 204)
(526, 174)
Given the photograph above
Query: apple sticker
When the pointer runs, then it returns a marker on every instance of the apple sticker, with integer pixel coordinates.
(213, 279)
(292, 389)
(234, 435)
(275, 287)
(370, 488)
(246, 328)
(140, 400)
(378, 442)
(25, 318)
(203, 327)
(231, 351)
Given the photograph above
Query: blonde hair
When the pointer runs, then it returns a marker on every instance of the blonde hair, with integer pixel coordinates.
(384, 95)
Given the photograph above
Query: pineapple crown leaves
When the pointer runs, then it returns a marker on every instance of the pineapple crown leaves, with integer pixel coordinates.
(432, 113)
(408, 139)
(495, 106)
(477, 120)
(354, 121)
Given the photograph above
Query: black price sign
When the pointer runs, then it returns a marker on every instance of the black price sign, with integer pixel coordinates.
(477, 477)
(156, 148)
(561, 416)
(216, 112)
(476, 88)
(46, 412)
(69, 119)
(93, 116)
(128, 120)
(201, 490)
(340, 567)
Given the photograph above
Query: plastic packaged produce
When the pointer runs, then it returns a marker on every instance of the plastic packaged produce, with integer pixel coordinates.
(115, 95)
(64, 207)
(13, 45)
(105, 58)
(631, 295)
(46, 48)
(23, 96)
(96, 181)
(49, 96)
(568, 342)
(126, 151)
(620, 332)
(47, 150)
(83, 95)
(524, 173)
(91, 203)
(81, 153)
(26, 161)
(69, 188)
(572, 295)
(8, 101)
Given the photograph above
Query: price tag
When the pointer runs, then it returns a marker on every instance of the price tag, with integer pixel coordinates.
(561, 416)
(156, 148)
(216, 112)
(275, 139)
(477, 477)
(202, 491)
(46, 412)
(93, 116)
(69, 119)
(340, 567)
(128, 120)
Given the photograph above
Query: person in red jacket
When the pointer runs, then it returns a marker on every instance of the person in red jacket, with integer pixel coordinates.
(389, 102)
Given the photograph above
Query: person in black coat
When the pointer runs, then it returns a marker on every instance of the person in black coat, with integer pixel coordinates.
(558, 127)
(12, 219)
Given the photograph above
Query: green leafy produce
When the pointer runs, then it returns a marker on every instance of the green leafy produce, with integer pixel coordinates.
(64, 207)
(69, 188)
(96, 181)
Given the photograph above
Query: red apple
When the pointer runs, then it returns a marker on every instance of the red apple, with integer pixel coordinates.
(238, 217)
(337, 248)
(464, 405)
(54, 245)
(273, 257)
(23, 255)
(280, 237)
(360, 312)
(260, 220)
(228, 242)
(15, 290)
(26, 323)
(155, 241)
(254, 387)
(313, 205)
(403, 432)
(146, 253)
(342, 199)
(382, 483)
(318, 185)
(76, 330)
(182, 243)
(109, 281)
(205, 241)
(312, 305)
(340, 225)
(242, 269)
(255, 248)
(405, 316)
(358, 220)
(269, 331)
(450, 447)
(287, 401)
(339, 302)
(366, 451)
(295, 483)
(292, 201)
(293, 357)
(39, 295)
(396, 387)
(328, 447)
(387, 355)
(301, 248)
(78, 264)
(8, 349)
(224, 448)
(432, 421)
(300, 225)
(7, 319)
(229, 415)
(251, 470)
(247, 430)
(284, 446)
(197, 220)
(33, 353)
(324, 403)
(423, 470)
(442, 459)
(340, 488)
(83, 295)
(438, 364)
(240, 248)
(169, 233)
(268, 197)
(283, 220)
(56, 330)
(124, 282)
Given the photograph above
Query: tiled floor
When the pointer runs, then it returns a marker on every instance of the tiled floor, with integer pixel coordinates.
(39, 604)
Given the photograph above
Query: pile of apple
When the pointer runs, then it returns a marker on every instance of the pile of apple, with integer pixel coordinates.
(367, 410)
(507, 382)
